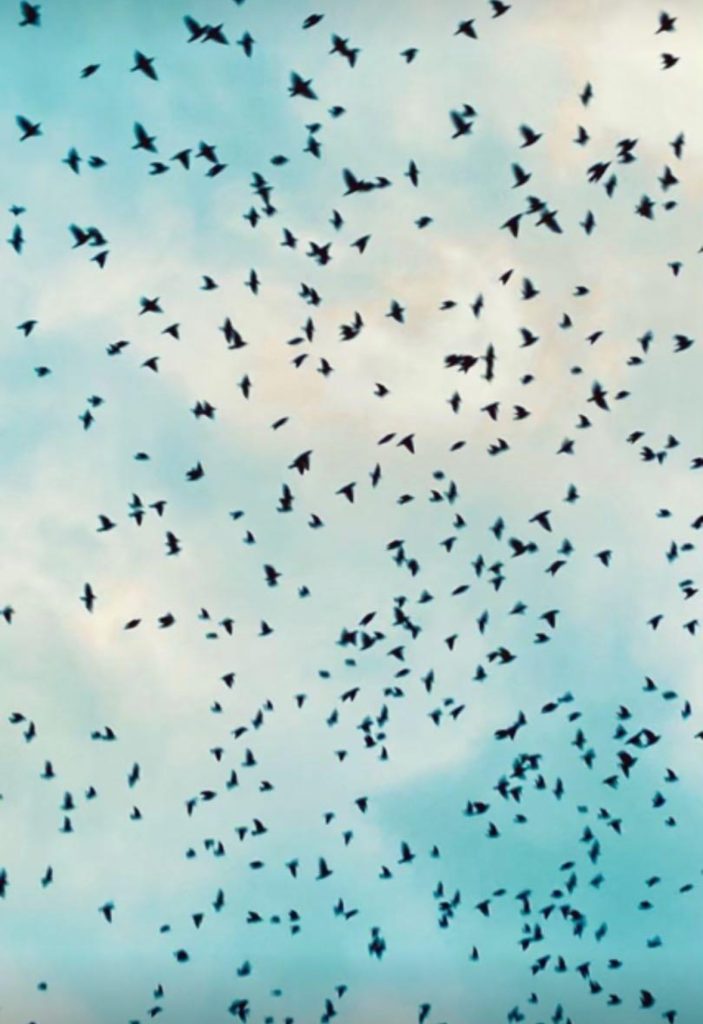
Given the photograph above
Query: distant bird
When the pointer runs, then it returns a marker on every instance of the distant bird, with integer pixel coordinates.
(197, 31)
(28, 128)
(73, 160)
(341, 46)
(30, 14)
(521, 176)
(88, 597)
(247, 43)
(461, 123)
(149, 305)
(145, 65)
(666, 23)
(16, 239)
(466, 28)
(312, 20)
(144, 140)
(396, 312)
(107, 910)
(301, 87)
(529, 136)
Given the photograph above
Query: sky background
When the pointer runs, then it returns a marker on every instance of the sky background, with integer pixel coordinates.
(161, 690)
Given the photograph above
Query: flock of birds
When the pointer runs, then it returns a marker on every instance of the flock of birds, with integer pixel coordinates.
(444, 530)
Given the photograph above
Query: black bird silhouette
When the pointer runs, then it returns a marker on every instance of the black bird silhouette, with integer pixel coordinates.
(312, 20)
(31, 14)
(88, 597)
(144, 140)
(529, 136)
(301, 87)
(341, 47)
(28, 128)
(107, 910)
(16, 239)
(466, 28)
(145, 65)
(666, 23)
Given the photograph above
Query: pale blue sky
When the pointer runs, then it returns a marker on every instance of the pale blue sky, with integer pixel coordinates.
(72, 673)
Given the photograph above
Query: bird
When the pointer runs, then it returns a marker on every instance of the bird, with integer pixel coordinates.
(17, 239)
(529, 136)
(149, 305)
(461, 123)
(31, 14)
(145, 65)
(396, 312)
(521, 176)
(88, 597)
(28, 128)
(666, 23)
(247, 43)
(107, 910)
(144, 140)
(466, 28)
(73, 160)
(341, 46)
(301, 87)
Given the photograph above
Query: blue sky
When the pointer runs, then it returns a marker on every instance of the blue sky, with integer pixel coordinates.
(161, 690)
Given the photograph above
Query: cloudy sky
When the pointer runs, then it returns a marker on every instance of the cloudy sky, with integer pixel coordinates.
(395, 609)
